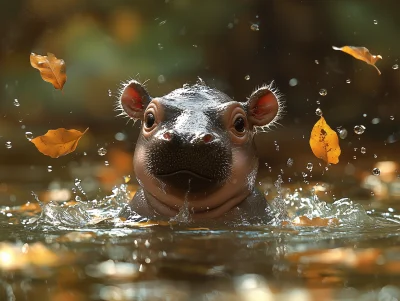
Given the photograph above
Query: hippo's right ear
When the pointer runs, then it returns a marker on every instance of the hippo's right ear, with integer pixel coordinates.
(264, 107)
(134, 99)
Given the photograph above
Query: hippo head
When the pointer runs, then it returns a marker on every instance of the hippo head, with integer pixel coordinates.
(196, 145)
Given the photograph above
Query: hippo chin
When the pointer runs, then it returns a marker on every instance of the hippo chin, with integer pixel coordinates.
(196, 151)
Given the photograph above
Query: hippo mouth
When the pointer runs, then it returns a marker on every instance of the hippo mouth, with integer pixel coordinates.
(188, 181)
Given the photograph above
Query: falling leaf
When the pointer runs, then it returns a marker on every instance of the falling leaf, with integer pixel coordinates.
(59, 142)
(360, 53)
(51, 69)
(324, 142)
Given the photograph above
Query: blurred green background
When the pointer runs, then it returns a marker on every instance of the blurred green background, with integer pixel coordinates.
(234, 46)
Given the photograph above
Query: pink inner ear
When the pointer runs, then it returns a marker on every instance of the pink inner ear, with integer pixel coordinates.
(266, 107)
(131, 101)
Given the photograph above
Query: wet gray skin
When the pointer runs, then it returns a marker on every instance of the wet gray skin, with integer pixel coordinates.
(196, 152)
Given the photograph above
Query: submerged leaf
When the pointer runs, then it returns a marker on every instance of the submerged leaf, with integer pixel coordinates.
(360, 53)
(59, 142)
(324, 142)
(51, 69)
(315, 222)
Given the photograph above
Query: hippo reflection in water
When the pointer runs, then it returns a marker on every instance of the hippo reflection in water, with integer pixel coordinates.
(196, 151)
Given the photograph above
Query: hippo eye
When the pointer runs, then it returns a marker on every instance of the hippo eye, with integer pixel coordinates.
(149, 120)
(239, 124)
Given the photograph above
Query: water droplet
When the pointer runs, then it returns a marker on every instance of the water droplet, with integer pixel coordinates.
(359, 129)
(323, 92)
(391, 117)
(372, 193)
(127, 178)
(78, 198)
(29, 135)
(16, 103)
(102, 151)
(84, 153)
(162, 23)
(160, 46)
(365, 115)
(375, 156)
(343, 134)
(395, 67)
(49, 168)
(77, 182)
(293, 82)
(230, 25)
(309, 166)
(254, 27)
(276, 146)
(318, 102)
(120, 136)
(290, 162)
(316, 61)
(375, 22)
(355, 157)
(161, 79)
(8, 144)
(106, 163)
(318, 112)
(376, 171)
(348, 81)
(375, 120)
(247, 77)
(363, 150)
(109, 93)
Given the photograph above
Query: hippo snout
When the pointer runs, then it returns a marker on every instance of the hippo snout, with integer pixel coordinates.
(192, 161)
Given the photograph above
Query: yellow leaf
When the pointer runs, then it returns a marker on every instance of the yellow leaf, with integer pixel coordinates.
(51, 69)
(59, 142)
(324, 142)
(360, 53)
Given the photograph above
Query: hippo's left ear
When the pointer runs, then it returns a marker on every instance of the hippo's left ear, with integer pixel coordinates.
(134, 99)
(263, 106)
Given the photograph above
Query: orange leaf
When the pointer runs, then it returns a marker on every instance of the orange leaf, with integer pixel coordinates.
(59, 142)
(51, 69)
(315, 222)
(361, 53)
(324, 142)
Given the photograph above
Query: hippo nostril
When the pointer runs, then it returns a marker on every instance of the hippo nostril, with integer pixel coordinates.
(167, 136)
(207, 138)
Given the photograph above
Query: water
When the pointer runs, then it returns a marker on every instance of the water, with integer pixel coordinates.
(359, 129)
(311, 248)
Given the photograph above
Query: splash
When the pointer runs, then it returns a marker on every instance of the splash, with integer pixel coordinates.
(63, 216)
(286, 206)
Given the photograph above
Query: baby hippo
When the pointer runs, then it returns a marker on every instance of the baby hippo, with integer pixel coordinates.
(196, 152)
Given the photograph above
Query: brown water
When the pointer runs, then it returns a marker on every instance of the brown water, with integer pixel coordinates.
(81, 251)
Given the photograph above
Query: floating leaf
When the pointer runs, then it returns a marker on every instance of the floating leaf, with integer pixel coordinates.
(51, 69)
(59, 142)
(315, 222)
(324, 142)
(361, 53)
